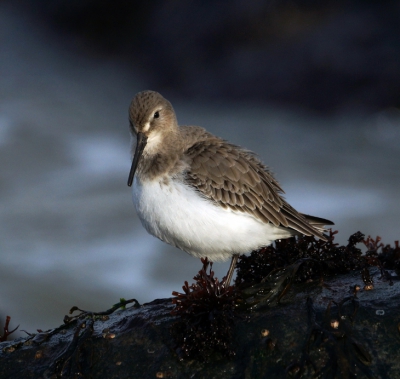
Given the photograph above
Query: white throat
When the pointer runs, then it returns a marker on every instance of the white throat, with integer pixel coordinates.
(153, 144)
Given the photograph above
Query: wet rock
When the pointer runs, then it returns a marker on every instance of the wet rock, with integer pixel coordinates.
(317, 330)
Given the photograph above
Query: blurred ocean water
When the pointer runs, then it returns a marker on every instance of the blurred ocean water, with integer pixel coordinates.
(69, 234)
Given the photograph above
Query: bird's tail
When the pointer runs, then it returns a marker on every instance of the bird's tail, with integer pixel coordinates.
(318, 223)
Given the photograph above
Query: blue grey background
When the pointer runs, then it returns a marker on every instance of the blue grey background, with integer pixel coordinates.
(314, 91)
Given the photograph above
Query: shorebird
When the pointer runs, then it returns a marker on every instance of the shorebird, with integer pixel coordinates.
(202, 194)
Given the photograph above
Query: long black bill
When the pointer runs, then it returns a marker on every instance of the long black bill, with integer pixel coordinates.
(141, 144)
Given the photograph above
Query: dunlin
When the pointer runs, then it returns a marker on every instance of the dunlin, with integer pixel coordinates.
(203, 194)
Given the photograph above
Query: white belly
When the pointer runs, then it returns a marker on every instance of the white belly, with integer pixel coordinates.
(179, 216)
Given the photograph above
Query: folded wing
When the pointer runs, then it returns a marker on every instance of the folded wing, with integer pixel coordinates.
(234, 178)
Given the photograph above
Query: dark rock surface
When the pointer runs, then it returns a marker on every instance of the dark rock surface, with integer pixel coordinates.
(296, 338)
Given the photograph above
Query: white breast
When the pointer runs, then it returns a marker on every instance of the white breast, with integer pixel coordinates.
(180, 216)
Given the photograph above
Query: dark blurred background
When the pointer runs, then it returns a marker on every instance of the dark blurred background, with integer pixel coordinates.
(319, 55)
(311, 86)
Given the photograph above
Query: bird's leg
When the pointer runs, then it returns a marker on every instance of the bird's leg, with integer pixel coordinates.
(229, 275)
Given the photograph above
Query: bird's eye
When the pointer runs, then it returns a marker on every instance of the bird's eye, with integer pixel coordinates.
(156, 115)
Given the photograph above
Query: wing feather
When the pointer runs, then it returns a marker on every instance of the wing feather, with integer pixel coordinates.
(234, 178)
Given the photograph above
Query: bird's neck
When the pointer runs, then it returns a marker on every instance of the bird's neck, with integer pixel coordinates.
(163, 159)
